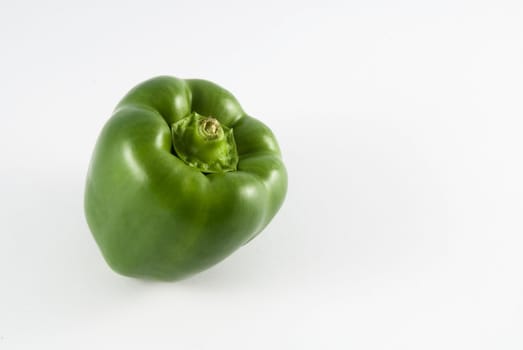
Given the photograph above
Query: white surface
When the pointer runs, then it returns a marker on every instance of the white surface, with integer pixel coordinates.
(401, 129)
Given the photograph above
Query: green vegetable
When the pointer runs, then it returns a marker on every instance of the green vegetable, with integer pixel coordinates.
(180, 178)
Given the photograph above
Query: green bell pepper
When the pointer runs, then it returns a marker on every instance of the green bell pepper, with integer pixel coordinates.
(179, 179)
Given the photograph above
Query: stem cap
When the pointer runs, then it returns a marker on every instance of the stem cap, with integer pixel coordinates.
(205, 144)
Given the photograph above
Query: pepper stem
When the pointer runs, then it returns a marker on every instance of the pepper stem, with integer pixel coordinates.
(210, 127)
(203, 143)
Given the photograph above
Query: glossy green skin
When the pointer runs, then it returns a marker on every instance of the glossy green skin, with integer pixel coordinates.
(152, 215)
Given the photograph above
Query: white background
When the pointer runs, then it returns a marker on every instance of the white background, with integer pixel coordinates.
(400, 124)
